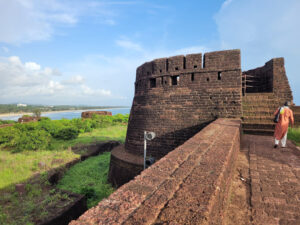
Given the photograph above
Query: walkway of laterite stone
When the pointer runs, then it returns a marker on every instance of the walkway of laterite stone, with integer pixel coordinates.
(275, 181)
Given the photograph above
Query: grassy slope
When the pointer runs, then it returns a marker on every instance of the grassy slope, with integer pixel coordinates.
(93, 179)
(14, 168)
(17, 167)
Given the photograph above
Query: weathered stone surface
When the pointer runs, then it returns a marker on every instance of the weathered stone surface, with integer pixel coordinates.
(27, 119)
(275, 181)
(170, 191)
(176, 97)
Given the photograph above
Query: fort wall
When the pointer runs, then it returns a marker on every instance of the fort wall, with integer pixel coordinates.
(296, 111)
(176, 97)
(188, 186)
(270, 78)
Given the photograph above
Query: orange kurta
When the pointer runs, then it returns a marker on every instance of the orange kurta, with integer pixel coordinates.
(283, 124)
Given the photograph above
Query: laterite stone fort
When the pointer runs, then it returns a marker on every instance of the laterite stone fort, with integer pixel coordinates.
(204, 110)
(176, 97)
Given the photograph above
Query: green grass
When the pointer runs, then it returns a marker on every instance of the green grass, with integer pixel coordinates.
(39, 203)
(17, 167)
(90, 178)
(294, 135)
(42, 200)
(117, 133)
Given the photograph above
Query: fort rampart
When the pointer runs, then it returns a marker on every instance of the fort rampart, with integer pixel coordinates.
(175, 98)
(270, 78)
(170, 191)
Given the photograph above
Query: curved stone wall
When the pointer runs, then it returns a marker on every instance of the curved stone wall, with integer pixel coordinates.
(176, 97)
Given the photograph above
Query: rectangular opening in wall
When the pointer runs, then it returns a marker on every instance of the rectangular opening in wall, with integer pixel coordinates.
(152, 83)
(195, 66)
(167, 65)
(219, 75)
(175, 80)
(184, 63)
(176, 68)
(192, 77)
(162, 81)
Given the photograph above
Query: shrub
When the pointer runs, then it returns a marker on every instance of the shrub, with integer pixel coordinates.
(30, 140)
(67, 133)
(51, 127)
(82, 125)
(7, 122)
(7, 135)
(120, 118)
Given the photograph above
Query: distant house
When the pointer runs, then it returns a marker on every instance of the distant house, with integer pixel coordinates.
(21, 105)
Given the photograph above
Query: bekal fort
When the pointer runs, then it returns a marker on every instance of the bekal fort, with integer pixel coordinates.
(204, 111)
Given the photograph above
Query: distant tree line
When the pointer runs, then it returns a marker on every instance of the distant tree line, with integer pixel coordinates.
(13, 108)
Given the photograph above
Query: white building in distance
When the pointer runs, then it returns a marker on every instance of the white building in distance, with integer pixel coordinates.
(21, 105)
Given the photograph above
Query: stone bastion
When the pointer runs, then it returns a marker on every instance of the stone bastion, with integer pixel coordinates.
(176, 97)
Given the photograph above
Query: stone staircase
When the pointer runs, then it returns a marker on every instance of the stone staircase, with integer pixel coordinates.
(258, 109)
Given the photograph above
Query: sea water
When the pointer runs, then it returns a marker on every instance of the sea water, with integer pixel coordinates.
(71, 114)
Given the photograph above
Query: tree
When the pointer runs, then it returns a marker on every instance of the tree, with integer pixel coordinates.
(37, 113)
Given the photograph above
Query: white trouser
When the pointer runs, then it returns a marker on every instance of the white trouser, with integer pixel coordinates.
(283, 141)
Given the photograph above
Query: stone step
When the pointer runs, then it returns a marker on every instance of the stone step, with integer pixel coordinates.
(258, 118)
(261, 102)
(259, 105)
(259, 99)
(265, 132)
(260, 94)
(257, 114)
(254, 96)
(253, 109)
(257, 125)
(259, 122)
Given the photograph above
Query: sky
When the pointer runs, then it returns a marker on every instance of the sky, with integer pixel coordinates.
(85, 52)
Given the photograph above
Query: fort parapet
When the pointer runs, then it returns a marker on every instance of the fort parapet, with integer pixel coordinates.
(176, 97)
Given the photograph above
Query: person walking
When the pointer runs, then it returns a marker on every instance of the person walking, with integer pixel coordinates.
(281, 129)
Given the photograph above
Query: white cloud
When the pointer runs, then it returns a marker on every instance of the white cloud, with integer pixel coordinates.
(88, 91)
(54, 72)
(127, 44)
(32, 66)
(77, 79)
(29, 82)
(191, 50)
(31, 20)
(225, 4)
(23, 21)
(263, 30)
